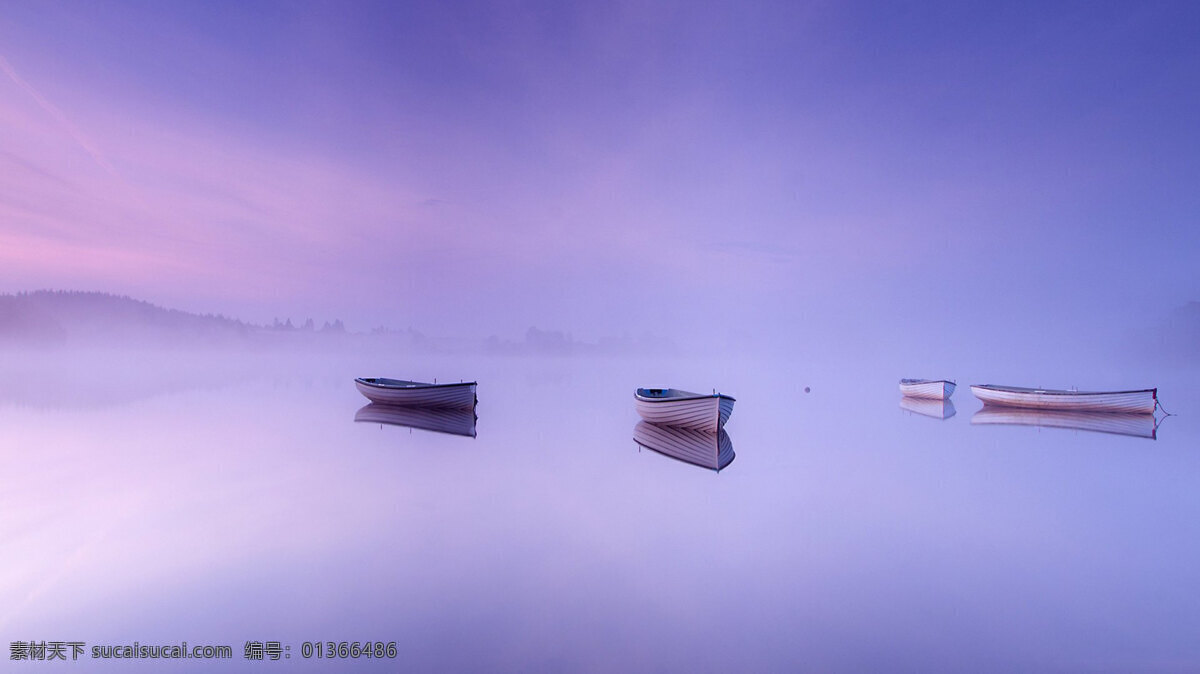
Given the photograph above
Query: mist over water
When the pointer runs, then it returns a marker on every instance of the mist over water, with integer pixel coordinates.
(795, 204)
(218, 496)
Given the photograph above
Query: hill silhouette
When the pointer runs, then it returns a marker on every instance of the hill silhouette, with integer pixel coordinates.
(47, 317)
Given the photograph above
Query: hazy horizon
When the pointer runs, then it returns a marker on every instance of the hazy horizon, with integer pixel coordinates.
(57, 322)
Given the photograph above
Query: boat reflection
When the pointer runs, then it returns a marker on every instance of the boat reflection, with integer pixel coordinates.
(1135, 425)
(436, 419)
(713, 451)
(938, 409)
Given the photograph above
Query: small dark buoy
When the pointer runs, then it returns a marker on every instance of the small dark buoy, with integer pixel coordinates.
(807, 389)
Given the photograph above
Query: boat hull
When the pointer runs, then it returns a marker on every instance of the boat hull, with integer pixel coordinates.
(931, 390)
(703, 412)
(1117, 423)
(1126, 402)
(416, 394)
(699, 448)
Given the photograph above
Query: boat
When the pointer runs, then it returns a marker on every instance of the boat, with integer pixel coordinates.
(684, 409)
(699, 448)
(416, 393)
(1117, 423)
(938, 409)
(1142, 401)
(452, 420)
(933, 389)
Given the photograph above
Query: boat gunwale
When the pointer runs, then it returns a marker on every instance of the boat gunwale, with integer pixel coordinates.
(1039, 391)
(688, 396)
(409, 385)
(912, 382)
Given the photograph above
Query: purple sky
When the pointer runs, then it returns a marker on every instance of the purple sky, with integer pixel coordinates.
(592, 167)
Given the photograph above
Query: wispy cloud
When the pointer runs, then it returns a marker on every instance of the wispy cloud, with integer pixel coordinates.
(53, 110)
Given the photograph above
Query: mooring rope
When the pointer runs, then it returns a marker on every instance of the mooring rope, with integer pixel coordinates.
(1158, 406)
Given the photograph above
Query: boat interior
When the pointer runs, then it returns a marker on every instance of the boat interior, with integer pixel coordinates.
(1021, 389)
(380, 381)
(665, 393)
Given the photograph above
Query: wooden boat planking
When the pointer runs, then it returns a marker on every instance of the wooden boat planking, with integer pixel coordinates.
(934, 389)
(684, 409)
(414, 393)
(1139, 401)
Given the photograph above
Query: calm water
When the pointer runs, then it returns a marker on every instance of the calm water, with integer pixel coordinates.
(216, 500)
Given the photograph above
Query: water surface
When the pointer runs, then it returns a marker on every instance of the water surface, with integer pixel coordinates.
(223, 498)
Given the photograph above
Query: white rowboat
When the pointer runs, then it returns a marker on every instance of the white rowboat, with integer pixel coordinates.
(684, 409)
(1118, 423)
(1129, 402)
(417, 394)
(453, 420)
(707, 450)
(934, 389)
